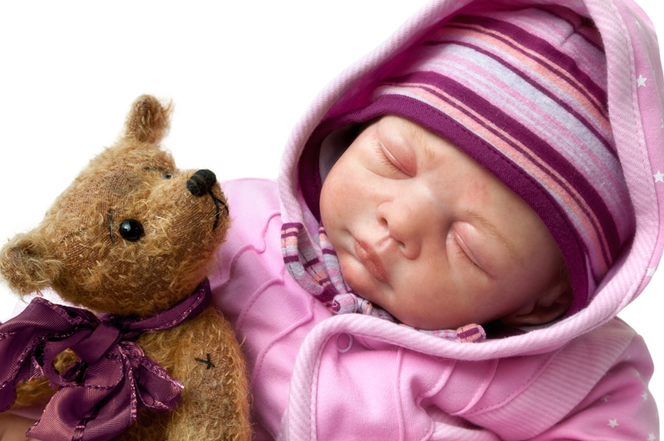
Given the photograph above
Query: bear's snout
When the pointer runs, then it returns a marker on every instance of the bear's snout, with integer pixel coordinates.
(201, 182)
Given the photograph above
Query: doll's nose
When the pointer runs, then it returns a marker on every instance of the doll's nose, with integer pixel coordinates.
(201, 182)
(406, 223)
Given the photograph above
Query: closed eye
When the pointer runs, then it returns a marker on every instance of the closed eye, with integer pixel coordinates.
(387, 161)
(461, 251)
(462, 254)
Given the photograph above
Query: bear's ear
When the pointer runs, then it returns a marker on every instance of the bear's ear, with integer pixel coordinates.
(148, 120)
(26, 264)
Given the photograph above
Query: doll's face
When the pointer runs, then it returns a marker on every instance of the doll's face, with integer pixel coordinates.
(428, 234)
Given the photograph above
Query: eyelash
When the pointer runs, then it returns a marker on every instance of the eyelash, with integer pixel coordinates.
(385, 160)
(462, 254)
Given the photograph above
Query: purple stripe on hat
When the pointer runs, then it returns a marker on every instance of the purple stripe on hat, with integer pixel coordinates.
(542, 47)
(545, 91)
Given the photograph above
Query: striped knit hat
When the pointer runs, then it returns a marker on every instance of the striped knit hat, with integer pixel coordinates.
(522, 92)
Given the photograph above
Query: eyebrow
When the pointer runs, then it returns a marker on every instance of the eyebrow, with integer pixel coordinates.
(491, 228)
(417, 133)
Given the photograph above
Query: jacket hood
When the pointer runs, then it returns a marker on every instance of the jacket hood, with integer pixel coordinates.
(634, 95)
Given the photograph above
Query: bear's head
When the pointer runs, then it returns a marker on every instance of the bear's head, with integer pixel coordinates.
(132, 235)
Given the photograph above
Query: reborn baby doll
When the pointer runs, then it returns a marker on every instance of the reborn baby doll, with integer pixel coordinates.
(459, 218)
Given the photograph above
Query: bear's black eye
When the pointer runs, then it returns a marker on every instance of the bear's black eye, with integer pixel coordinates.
(131, 230)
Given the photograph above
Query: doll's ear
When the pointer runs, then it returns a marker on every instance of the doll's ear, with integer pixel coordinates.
(546, 308)
(26, 264)
(148, 120)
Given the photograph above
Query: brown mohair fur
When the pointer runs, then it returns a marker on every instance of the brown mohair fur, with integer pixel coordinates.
(79, 252)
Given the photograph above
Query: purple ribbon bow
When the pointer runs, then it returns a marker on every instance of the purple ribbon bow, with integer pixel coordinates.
(97, 396)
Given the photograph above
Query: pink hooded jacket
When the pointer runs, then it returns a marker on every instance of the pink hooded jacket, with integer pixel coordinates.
(315, 375)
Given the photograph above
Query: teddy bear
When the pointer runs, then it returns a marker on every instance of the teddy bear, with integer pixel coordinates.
(136, 351)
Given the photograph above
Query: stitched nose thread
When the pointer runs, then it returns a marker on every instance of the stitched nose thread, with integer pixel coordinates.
(201, 182)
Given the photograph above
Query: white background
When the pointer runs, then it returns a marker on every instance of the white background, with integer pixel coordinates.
(240, 74)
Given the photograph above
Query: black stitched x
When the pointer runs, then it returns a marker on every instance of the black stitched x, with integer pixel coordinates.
(208, 362)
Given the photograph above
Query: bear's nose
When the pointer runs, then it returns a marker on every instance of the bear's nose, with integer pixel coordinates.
(201, 182)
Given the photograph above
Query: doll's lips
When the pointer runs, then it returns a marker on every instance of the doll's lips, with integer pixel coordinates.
(371, 261)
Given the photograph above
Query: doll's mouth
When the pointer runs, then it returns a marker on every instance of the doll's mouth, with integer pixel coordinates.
(371, 260)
